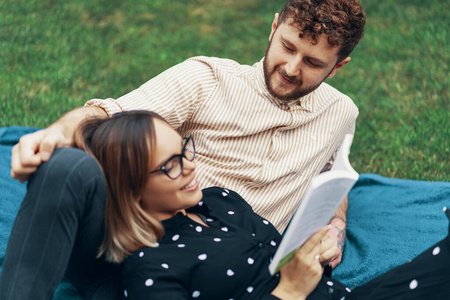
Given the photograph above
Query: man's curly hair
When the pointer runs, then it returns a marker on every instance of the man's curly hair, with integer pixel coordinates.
(341, 20)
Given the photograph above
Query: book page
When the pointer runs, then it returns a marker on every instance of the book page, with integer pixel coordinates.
(322, 199)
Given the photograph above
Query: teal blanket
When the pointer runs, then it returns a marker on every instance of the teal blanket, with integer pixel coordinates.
(390, 220)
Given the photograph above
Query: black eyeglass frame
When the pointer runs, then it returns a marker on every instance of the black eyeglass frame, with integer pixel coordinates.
(163, 167)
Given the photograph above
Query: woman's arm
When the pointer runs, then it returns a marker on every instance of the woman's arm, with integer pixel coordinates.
(145, 288)
(143, 279)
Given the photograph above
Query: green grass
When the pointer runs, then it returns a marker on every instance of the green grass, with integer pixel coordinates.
(55, 55)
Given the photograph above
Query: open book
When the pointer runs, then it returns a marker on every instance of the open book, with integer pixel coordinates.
(320, 202)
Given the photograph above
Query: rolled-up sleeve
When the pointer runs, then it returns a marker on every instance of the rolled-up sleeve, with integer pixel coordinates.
(175, 94)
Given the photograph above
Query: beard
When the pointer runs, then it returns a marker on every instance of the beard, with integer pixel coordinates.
(299, 90)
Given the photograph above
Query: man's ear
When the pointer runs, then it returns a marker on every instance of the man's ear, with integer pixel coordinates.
(274, 26)
(339, 65)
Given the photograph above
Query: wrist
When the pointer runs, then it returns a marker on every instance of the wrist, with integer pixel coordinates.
(287, 294)
(60, 130)
(337, 218)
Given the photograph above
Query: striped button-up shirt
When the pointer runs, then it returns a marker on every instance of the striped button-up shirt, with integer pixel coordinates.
(266, 149)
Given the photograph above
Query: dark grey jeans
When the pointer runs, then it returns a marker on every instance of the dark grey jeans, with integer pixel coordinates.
(58, 231)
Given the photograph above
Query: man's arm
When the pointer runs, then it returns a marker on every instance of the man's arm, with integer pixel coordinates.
(184, 95)
(36, 148)
(338, 230)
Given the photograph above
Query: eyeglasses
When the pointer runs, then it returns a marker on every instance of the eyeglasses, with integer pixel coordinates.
(173, 167)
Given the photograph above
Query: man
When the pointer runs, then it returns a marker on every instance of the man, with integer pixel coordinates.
(264, 130)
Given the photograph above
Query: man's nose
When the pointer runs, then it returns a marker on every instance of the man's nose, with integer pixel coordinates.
(293, 67)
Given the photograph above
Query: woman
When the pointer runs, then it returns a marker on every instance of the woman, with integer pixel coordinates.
(178, 242)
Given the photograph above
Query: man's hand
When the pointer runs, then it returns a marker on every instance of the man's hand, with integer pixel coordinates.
(32, 150)
(338, 234)
(36, 148)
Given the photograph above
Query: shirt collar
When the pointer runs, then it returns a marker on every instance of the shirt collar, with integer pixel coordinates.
(181, 220)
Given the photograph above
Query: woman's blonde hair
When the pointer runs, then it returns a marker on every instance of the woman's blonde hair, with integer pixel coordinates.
(123, 146)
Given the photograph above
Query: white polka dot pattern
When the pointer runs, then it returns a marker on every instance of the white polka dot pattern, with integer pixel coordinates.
(149, 282)
(233, 271)
(413, 284)
(436, 251)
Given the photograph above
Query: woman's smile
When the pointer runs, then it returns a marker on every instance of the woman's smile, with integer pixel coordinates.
(191, 186)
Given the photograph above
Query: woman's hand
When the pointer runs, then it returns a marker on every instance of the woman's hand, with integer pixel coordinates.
(302, 274)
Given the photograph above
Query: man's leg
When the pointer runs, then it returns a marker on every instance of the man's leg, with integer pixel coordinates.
(59, 226)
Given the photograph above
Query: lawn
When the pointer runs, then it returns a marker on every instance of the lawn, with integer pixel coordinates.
(55, 55)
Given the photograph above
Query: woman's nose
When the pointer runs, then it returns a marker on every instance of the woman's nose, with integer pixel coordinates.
(189, 166)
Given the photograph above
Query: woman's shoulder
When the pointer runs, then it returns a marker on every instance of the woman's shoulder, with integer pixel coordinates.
(222, 197)
(220, 191)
